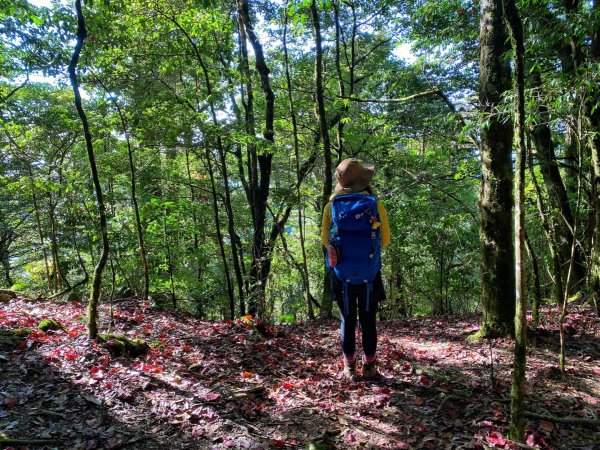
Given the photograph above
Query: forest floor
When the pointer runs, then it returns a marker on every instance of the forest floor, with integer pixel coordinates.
(224, 386)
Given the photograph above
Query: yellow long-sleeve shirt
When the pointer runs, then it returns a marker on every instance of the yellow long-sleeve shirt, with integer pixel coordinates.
(385, 224)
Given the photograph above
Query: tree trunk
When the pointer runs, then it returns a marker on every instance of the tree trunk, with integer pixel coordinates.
(327, 303)
(517, 395)
(230, 222)
(341, 81)
(97, 280)
(535, 271)
(136, 209)
(225, 174)
(495, 200)
(58, 279)
(262, 176)
(548, 231)
(304, 266)
(38, 222)
(194, 217)
(593, 117)
(168, 259)
(562, 223)
(230, 295)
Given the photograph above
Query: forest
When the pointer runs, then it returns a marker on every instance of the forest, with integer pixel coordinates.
(164, 168)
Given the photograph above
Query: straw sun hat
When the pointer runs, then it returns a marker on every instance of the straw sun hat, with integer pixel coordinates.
(353, 176)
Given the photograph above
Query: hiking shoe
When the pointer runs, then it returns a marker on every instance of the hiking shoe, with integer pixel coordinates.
(369, 370)
(349, 372)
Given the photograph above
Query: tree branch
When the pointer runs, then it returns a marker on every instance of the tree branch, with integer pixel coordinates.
(439, 189)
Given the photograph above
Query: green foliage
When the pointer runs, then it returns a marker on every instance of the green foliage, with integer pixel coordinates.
(153, 75)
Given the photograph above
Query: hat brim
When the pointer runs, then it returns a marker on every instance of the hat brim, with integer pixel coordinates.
(361, 182)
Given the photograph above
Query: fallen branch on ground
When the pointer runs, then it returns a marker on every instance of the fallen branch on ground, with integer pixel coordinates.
(565, 420)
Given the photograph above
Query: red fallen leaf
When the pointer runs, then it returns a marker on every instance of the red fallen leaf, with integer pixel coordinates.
(287, 385)
(278, 443)
(530, 440)
(596, 370)
(246, 374)
(71, 355)
(212, 396)
(419, 401)
(546, 426)
(496, 439)
(424, 379)
(229, 443)
(421, 427)
(382, 390)
(150, 368)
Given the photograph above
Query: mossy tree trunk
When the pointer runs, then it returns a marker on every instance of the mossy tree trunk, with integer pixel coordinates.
(96, 282)
(562, 221)
(593, 117)
(517, 394)
(495, 200)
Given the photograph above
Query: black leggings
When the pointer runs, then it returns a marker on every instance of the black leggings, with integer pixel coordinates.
(357, 296)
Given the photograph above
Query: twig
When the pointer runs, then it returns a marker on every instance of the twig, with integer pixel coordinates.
(430, 93)
(4, 442)
(45, 412)
(565, 420)
(444, 401)
(439, 189)
(394, 100)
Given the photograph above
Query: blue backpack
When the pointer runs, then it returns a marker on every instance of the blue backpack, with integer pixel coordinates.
(355, 233)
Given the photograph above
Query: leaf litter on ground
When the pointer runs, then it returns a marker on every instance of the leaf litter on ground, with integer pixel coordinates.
(227, 385)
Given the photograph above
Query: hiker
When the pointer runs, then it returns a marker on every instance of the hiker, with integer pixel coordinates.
(354, 229)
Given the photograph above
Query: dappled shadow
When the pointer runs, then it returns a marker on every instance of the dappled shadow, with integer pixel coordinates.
(42, 407)
(222, 385)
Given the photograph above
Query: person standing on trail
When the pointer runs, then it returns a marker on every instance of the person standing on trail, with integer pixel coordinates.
(355, 228)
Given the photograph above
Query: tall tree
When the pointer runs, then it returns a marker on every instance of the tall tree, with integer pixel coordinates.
(260, 173)
(97, 279)
(593, 118)
(517, 409)
(496, 200)
(324, 131)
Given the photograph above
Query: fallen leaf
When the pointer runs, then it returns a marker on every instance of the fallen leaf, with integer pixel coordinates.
(212, 396)
(279, 443)
(496, 439)
(546, 426)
